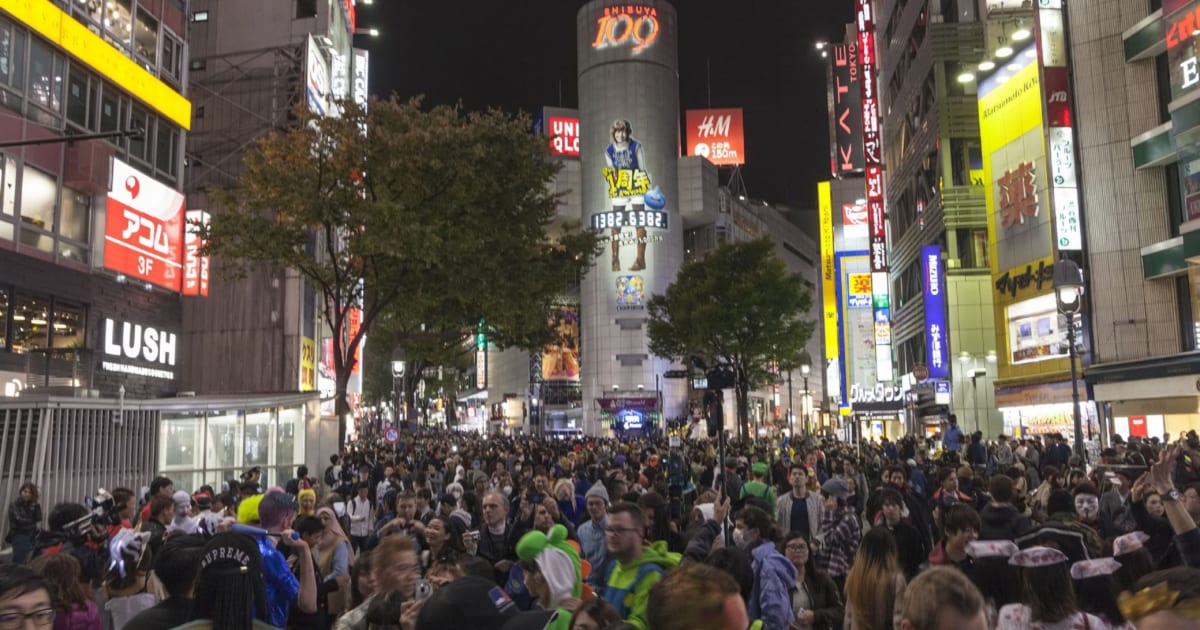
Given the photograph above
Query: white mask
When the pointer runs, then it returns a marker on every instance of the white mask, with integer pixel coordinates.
(508, 491)
(1087, 506)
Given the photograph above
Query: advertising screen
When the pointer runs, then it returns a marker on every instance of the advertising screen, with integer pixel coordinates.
(560, 360)
(143, 232)
(716, 134)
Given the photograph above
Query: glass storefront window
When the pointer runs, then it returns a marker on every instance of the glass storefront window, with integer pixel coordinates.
(31, 327)
(8, 185)
(259, 441)
(166, 146)
(38, 191)
(76, 211)
(180, 443)
(291, 423)
(68, 326)
(223, 441)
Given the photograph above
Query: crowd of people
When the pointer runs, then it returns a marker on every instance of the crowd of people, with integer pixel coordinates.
(450, 530)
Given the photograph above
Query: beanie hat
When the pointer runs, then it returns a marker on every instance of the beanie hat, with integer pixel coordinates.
(598, 490)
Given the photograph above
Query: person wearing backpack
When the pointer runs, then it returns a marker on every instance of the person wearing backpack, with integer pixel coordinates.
(332, 473)
(636, 567)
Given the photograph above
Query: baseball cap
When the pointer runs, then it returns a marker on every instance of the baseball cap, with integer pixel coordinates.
(475, 603)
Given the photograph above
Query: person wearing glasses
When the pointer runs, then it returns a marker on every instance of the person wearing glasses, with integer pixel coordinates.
(636, 567)
(24, 599)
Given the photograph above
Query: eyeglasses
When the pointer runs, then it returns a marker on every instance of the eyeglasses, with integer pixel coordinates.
(15, 620)
(795, 548)
(615, 531)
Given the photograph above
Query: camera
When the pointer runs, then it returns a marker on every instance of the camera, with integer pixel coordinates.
(102, 511)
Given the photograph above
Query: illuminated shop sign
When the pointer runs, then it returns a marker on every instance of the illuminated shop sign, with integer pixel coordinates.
(858, 291)
(126, 341)
(846, 97)
(1064, 191)
(143, 229)
(1032, 277)
(873, 165)
(936, 335)
(854, 220)
(195, 265)
(828, 271)
(879, 393)
(716, 134)
(632, 26)
(1018, 195)
(564, 136)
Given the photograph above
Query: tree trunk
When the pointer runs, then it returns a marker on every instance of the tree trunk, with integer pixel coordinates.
(341, 404)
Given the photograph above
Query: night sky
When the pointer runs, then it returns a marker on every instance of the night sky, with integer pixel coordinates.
(759, 54)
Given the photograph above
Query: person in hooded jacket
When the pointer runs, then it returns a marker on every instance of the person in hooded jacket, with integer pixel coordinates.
(1000, 519)
(774, 575)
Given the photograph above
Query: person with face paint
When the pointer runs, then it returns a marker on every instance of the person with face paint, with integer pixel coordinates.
(1087, 505)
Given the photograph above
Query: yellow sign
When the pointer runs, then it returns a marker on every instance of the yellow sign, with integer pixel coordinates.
(859, 284)
(308, 365)
(828, 275)
(58, 27)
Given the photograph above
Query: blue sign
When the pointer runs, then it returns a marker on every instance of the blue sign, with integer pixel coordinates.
(859, 301)
(942, 387)
(632, 420)
(936, 335)
(391, 435)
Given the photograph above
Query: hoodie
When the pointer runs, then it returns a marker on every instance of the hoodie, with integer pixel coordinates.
(628, 585)
(774, 577)
(1002, 522)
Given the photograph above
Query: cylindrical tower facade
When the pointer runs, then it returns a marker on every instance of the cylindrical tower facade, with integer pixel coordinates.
(629, 151)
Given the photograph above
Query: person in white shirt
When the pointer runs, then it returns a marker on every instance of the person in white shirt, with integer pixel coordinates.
(359, 510)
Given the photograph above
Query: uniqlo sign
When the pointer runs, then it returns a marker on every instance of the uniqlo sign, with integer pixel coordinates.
(143, 232)
(564, 136)
(195, 266)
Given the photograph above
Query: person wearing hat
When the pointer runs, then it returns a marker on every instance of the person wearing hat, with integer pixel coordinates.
(592, 543)
(276, 511)
(1048, 596)
(758, 487)
(840, 532)
(553, 572)
(231, 592)
(474, 603)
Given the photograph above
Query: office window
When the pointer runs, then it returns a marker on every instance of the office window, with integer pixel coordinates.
(31, 323)
(45, 79)
(172, 57)
(139, 146)
(76, 213)
(306, 9)
(38, 191)
(12, 55)
(119, 23)
(8, 186)
(166, 146)
(145, 36)
(111, 112)
(67, 326)
(82, 95)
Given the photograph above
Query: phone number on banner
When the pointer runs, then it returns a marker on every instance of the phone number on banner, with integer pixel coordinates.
(629, 218)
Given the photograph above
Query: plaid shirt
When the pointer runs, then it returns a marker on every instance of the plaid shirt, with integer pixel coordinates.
(840, 534)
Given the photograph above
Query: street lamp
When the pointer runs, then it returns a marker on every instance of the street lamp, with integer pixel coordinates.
(805, 369)
(399, 362)
(1068, 293)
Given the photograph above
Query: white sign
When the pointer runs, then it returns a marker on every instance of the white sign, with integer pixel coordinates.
(880, 393)
(1065, 192)
(317, 79)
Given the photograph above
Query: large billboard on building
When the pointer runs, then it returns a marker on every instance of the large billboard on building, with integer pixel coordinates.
(717, 135)
(629, 149)
(143, 229)
(560, 360)
(846, 113)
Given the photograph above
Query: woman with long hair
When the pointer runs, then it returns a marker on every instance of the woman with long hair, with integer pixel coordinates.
(875, 585)
(444, 537)
(24, 518)
(334, 556)
(1097, 588)
(774, 575)
(816, 602)
(73, 605)
(1048, 597)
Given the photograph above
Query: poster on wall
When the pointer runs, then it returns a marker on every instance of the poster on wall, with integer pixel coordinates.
(143, 229)
(635, 216)
(560, 360)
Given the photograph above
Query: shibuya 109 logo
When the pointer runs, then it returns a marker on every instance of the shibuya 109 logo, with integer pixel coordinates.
(627, 25)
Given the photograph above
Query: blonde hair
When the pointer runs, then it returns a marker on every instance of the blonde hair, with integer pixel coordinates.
(870, 587)
(936, 589)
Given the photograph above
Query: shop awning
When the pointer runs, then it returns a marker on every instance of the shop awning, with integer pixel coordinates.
(1184, 364)
(1146, 39)
(1164, 259)
(1154, 148)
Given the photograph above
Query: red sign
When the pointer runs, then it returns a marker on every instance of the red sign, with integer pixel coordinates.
(353, 325)
(1137, 426)
(1018, 195)
(564, 136)
(1058, 101)
(717, 134)
(195, 266)
(1183, 27)
(143, 232)
(854, 215)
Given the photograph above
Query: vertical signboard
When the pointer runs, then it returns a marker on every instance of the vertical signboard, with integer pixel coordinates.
(143, 230)
(195, 265)
(873, 165)
(1056, 94)
(936, 351)
(560, 360)
(828, 274)
(316, 79)
(847, 109)
(359, 88)
(716, 134)
(308, 364)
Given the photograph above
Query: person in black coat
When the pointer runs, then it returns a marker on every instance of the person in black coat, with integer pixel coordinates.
(816, 601)
(1000, 519)
(24, 519)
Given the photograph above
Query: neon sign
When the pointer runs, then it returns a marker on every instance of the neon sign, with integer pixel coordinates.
(628, 25)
